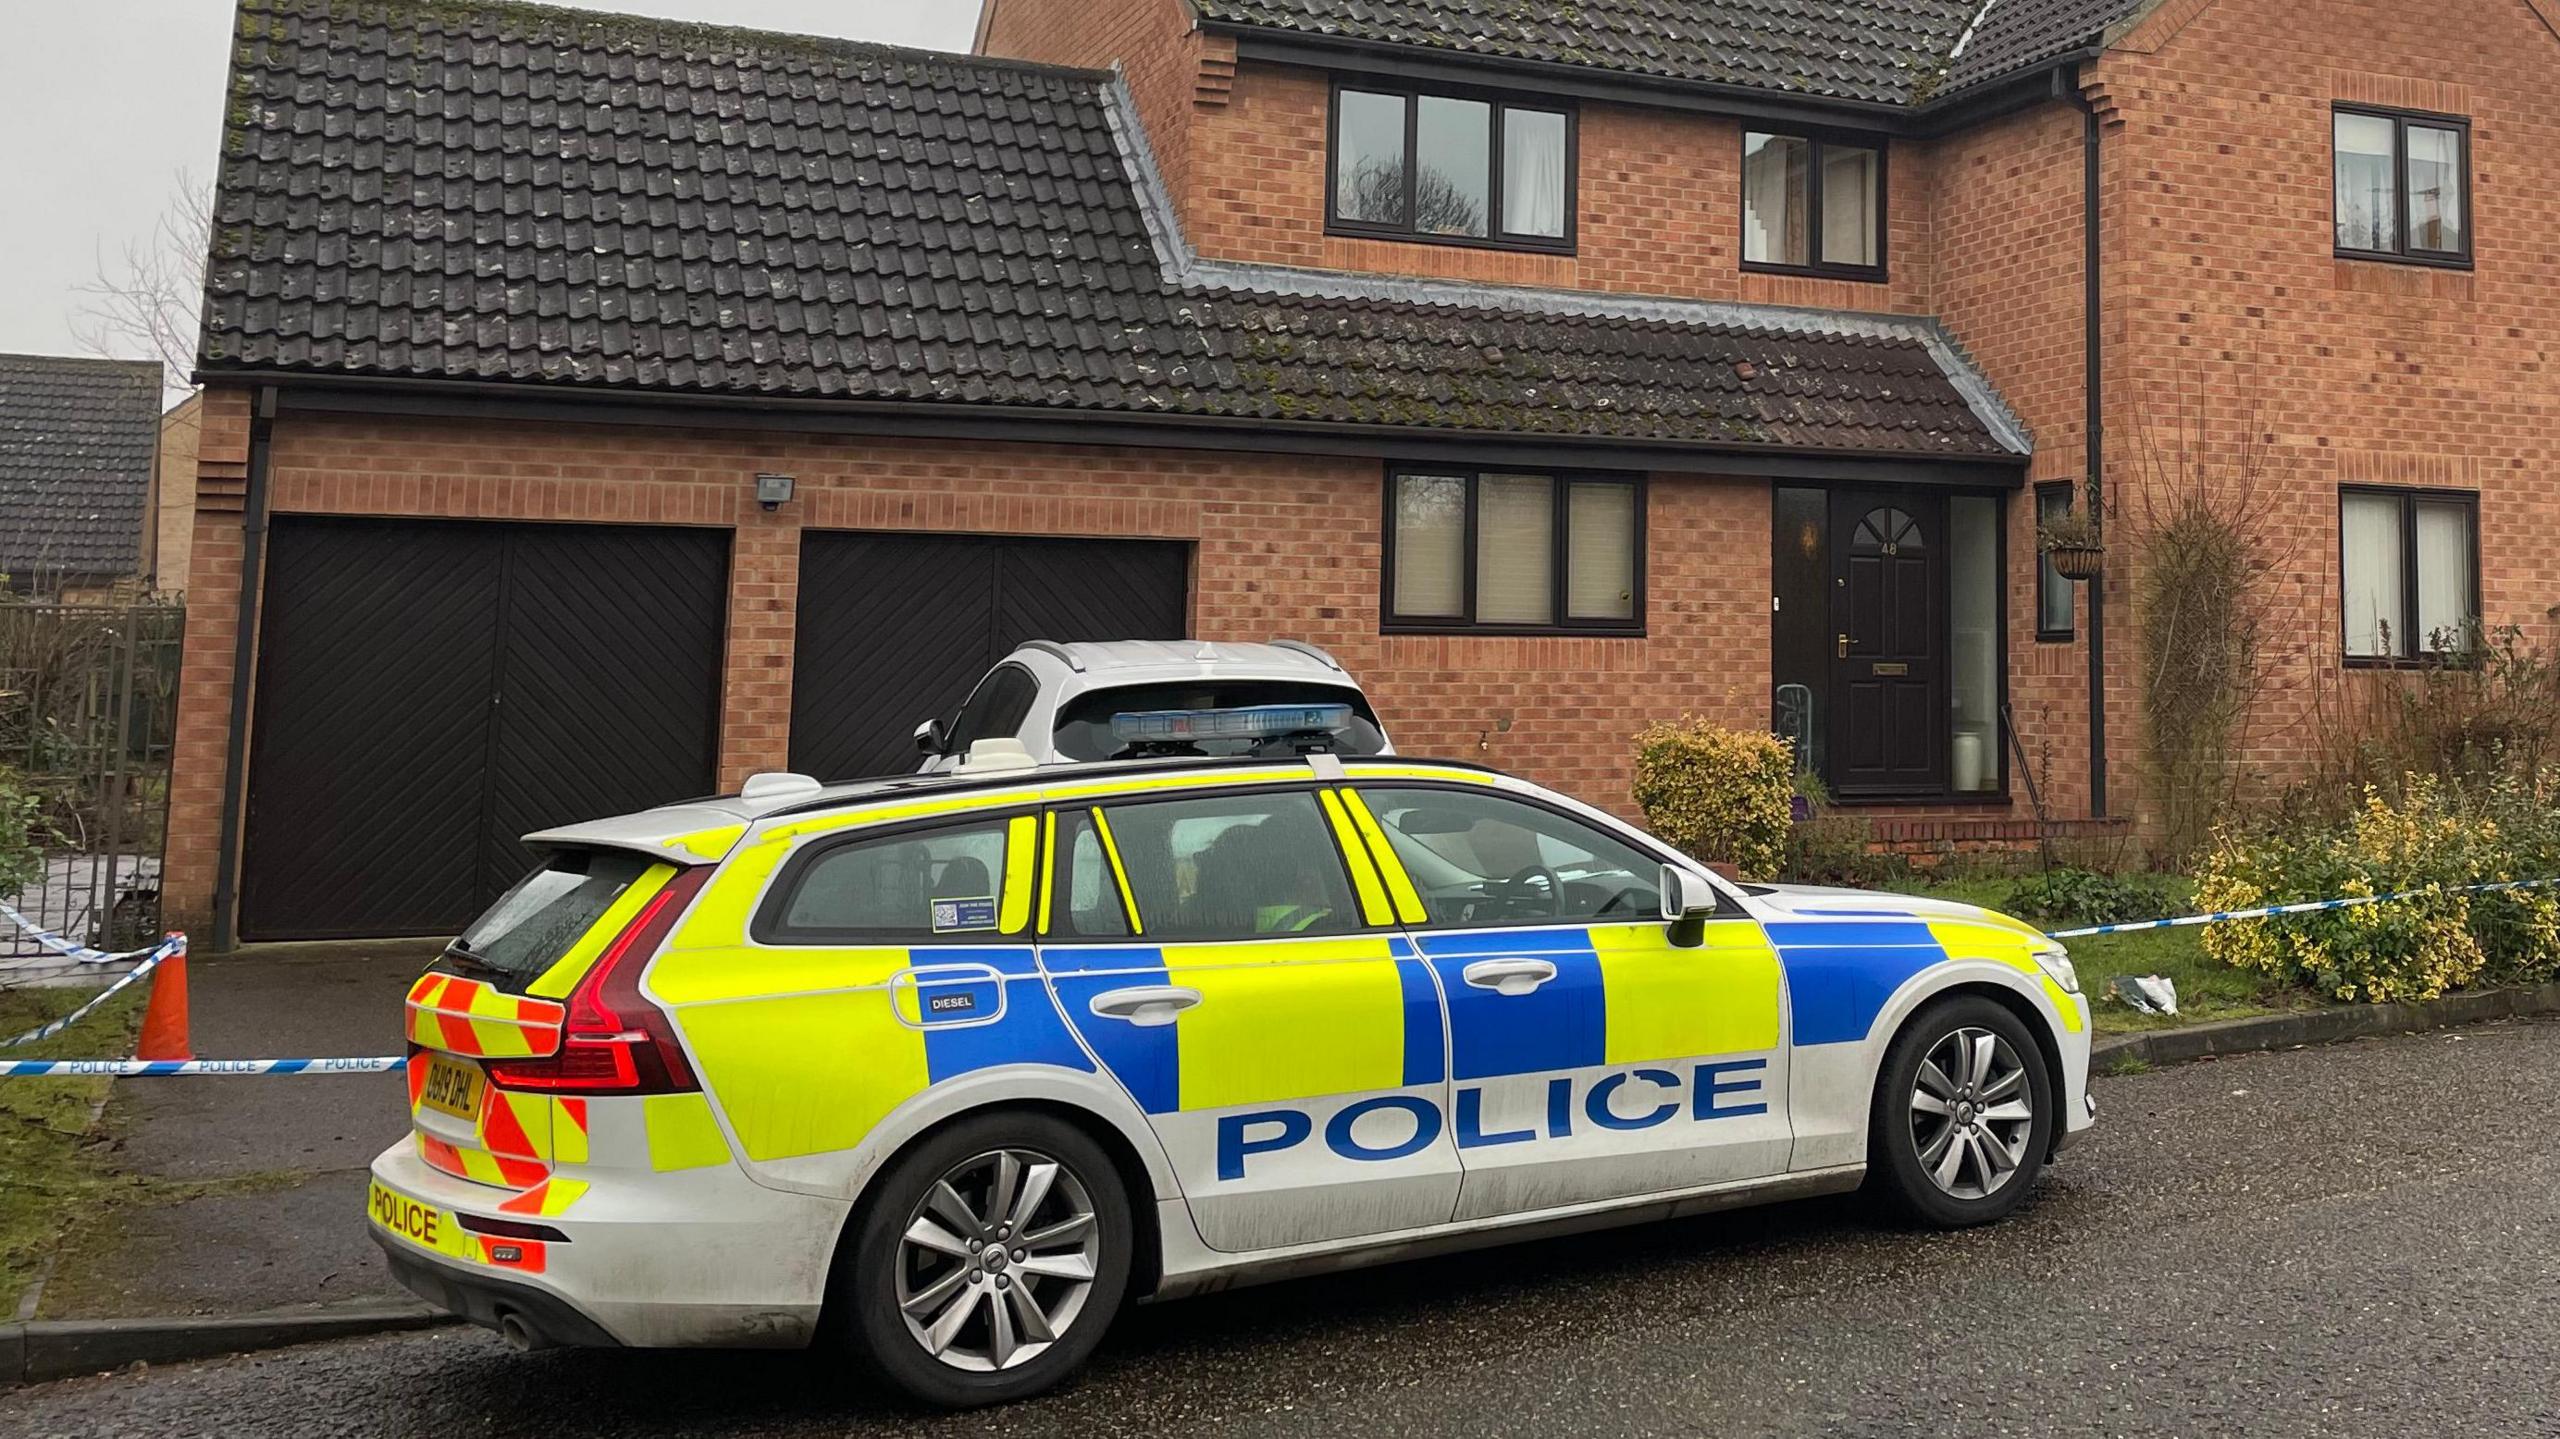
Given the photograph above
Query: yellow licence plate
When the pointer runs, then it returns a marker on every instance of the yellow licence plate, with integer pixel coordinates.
(453, 1087)
(418, 1222)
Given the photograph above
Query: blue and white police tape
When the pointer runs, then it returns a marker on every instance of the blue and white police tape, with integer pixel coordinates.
(71, 949)
(174, 945)
(162, 1068)
(2309, 906)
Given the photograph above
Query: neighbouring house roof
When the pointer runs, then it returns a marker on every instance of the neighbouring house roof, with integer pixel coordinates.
(450, 191)
(77, 439)
(1892, 52)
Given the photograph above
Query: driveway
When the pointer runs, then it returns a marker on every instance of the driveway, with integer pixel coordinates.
(2354, 1240)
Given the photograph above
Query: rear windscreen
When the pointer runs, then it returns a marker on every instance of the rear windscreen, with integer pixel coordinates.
(536, 922)
(1084, 725)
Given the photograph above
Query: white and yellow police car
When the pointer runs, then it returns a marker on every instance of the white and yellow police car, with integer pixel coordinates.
(944, 1069)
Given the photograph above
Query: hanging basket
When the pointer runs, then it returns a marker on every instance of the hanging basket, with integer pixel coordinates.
(2079, 563)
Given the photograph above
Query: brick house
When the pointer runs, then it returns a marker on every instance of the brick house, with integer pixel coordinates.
(1558, 374)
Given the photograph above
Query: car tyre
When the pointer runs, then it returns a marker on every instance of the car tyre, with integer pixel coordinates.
(1044, 1219)
(1947, 1145)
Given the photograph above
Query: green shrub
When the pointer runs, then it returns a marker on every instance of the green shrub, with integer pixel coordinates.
(2430, 836)
(2081, 896)
(1717, 794)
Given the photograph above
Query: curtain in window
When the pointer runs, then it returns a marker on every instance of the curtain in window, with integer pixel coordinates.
(1515, 550)
(2364, 184)
(2375, 596)
(1600, 552)
(1848, 206)
(2444, 575)
(1533, 162)
(2435, 189)
(1776, 198)
(1431, 546)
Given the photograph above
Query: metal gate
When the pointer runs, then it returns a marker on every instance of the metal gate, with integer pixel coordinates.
(87, 709)
(895, 628)
(429, 691)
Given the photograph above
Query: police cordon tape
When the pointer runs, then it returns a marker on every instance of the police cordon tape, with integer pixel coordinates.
(162, 1068)
(387, 1064)
(175, 944)
(2309, 906)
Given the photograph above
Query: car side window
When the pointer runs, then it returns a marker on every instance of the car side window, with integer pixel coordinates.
(1244, 866)
(1088, 899)
(934, 886)
(995, 709)
(1480, 859)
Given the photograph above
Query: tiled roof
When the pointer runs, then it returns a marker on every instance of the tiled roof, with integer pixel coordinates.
(77, 439)
(484, 192)
(1894, 52)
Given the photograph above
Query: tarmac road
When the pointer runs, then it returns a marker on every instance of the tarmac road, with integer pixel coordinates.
(2347, 1241)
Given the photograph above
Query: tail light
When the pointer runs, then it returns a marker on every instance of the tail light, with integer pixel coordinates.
(613, 1041)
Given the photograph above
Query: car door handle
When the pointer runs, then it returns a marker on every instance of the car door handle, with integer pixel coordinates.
(1149, 1006)
(1514, 977)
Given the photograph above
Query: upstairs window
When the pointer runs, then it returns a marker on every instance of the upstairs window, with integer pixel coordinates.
(1451, 169)
(2410, 571)
(2403, 186)
(1812, 206)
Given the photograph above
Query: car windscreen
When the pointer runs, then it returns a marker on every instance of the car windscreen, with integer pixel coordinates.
(534, 924)
(1084, 724)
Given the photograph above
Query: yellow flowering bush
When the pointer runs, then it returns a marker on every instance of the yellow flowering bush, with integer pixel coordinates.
(1717, 794)
(2428, 841)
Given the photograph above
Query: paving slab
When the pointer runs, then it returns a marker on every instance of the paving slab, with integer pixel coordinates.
(254, 1197)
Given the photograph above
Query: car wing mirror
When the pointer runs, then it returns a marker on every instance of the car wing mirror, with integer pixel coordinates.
(931, 740)
(1687, 901)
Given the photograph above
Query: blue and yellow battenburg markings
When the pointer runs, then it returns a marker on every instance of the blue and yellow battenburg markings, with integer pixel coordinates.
(1842, 971)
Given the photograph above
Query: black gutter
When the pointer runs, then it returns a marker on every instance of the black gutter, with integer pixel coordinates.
(1937, 116)
(2095, 426)
(244, 657)
(560, 404)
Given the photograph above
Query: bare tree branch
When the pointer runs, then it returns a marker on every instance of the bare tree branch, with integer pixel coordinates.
(145, 303)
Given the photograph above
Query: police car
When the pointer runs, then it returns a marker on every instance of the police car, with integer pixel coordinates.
(943, 1070)
(1059, 701)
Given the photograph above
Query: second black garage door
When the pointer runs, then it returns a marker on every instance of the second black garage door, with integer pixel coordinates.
(428, 691)
(895, 628)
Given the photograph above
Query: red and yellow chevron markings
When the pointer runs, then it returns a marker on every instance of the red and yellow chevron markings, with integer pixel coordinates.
(467, 1017)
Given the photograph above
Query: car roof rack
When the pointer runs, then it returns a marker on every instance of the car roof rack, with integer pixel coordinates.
(1312, 651)
(1052, 647)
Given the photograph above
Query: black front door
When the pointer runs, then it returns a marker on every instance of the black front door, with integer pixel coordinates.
(1888, 671)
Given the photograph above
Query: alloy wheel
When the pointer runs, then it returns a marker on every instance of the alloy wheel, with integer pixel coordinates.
(1972, 1113)
(997, 1260)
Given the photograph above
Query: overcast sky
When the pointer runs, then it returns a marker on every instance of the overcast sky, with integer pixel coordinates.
(104, 103)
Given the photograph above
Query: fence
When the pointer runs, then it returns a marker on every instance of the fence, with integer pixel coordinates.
(87, 710)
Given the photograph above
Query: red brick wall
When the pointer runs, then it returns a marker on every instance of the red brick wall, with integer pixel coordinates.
(1286, 546)
(2004, 206)
(2232, 316)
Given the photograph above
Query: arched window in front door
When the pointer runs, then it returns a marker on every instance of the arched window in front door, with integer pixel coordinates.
(1887, 531)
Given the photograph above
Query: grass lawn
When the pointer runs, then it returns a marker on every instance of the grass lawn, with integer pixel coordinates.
(53, 1172)
(2206, 989)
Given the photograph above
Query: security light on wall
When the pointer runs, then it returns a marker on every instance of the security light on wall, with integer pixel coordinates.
(773, 491)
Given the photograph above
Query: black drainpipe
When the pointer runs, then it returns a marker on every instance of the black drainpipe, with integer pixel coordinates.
(244, 655)
(2095, 425)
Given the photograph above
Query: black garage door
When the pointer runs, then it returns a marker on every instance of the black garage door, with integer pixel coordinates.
(429, 691)
(896, 628)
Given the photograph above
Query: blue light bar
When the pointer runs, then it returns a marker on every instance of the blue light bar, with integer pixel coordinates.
(1249, 722)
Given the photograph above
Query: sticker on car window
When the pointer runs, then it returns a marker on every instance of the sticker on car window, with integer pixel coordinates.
(957, 915)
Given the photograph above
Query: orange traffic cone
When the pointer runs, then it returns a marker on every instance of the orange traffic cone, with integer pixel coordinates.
(164, 1023)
